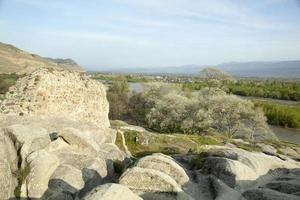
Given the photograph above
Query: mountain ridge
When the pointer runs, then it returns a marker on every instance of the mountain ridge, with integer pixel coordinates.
(15, 60)
(261, 69)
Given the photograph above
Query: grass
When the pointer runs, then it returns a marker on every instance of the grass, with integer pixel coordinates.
(197, 161)
(21, 176)
(6, 81)
(141, 144)
(119, 142)
(281, 144)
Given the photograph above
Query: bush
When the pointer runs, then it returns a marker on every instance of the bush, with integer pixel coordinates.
(281, 115)
(169, 109)
(6, 81)
(270, 89)
(117, 95)
(118, 167)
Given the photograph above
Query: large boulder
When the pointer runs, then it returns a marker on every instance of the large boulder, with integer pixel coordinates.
(288, 151)
(42, 165)
(55, 92)
(66, 178)
(8, 167)
(166, 165)
(267, 194)
(220, 191)
(83, 141)
(145, 179)
(111, 191)
(156, 177)
(27, 139)
(240, 168)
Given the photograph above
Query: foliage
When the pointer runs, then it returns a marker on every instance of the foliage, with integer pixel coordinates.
(282, 115)
(112, 78)
(141, 144)
(119, 142)
(270, 89)
(21, 176)
(230, 115)
(118, 167)
(215, 77)
(6, 81)
(266, 89)
(117, 96)
(197, 161)
(169, 109)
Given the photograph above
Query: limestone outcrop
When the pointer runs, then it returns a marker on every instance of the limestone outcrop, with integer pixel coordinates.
(111, 191)
(8, 167)
(239, 168)
(156, 177)
(61, 161)
(56, 142)
(58, 93)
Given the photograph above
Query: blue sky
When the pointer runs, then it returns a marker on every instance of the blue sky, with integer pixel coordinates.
(151, 33)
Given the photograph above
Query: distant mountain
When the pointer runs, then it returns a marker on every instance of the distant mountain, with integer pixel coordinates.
(14, 60)
(280, 69)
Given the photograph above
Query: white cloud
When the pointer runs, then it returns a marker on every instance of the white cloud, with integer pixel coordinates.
(218, 11)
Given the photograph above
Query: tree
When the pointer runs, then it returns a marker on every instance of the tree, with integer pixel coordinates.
(231, 115)
(215, 78)
(117, 96)
(256, 123)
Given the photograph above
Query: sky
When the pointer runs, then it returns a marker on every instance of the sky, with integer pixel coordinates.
(103, 34)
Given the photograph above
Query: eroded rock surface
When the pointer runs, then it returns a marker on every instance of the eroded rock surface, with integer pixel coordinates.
(58, 93)
(111, 191)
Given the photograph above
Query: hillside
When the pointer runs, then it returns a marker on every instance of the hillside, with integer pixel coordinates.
(279, 69)
(14, 60)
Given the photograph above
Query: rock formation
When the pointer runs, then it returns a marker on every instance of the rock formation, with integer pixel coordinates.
(58, 93)
(55, 137)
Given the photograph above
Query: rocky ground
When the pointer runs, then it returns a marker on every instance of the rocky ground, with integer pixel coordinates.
(46, 154)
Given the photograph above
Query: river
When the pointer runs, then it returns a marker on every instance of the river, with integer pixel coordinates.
(287, 134)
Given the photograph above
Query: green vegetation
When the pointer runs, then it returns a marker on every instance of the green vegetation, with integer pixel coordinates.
(21, 176)
(167, 108)
(282, 115)
(119, 142)
(112, 78)
(141, 144)
(269, 89)
(6, 81)
(118, 167)
(117, 95)
(197, 161)
(266, 89)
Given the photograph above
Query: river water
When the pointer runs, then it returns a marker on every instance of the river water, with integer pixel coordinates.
(287, 134)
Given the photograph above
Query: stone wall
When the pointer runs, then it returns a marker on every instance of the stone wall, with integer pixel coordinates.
(58, 93)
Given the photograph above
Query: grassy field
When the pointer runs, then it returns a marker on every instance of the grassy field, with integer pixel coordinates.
(141, 144)
(144, 143)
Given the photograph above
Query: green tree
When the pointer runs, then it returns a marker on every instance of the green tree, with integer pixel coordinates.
(117, 96)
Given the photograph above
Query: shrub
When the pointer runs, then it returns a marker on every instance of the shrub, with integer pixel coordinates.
(118, 167)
